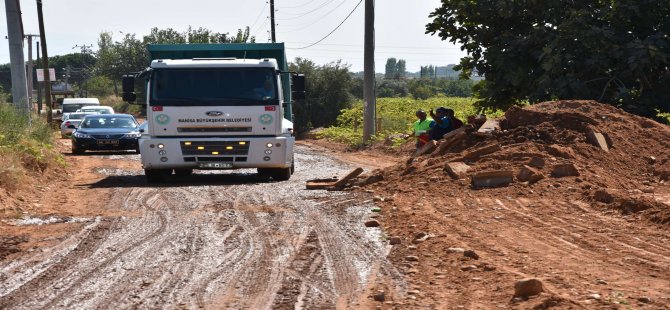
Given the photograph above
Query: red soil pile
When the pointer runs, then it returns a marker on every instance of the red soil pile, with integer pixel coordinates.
(543, 137)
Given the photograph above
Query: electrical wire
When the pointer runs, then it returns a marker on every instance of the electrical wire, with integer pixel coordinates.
(267, 21)
(259, 16)
(318, 7)
(317, 20)
(381, 46)
(314, 10)
(338, 26)
(297, 6)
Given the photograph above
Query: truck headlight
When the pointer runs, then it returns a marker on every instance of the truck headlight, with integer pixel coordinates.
(269, 145)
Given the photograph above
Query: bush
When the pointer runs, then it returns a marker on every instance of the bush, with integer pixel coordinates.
(395, 116)
(25, 146)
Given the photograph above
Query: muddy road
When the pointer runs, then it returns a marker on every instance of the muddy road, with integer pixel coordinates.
(210, 240)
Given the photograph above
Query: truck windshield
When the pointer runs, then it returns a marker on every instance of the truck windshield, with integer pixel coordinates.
(214, 86)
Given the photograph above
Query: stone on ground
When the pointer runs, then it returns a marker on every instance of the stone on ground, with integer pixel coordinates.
(493, 178)
(529, 174)
(564, 170)
(457, 170)
(528, 287)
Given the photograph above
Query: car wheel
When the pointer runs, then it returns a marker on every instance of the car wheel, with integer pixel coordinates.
(183, 172)
(77, 150)
(157, 175)
(137, 150)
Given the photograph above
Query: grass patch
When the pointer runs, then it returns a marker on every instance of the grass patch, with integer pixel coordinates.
(394, 116)
(26, 147)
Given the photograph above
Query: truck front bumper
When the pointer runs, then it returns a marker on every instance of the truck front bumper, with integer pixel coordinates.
(216, 153)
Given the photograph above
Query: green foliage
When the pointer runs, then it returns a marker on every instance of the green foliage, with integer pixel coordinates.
(395, 69)
(611, 51)
(24, 146)
(100, 86)
(396, 116)
(327, 92)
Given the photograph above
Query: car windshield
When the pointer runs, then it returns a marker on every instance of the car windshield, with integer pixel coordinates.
(108, 122)
(218, 86)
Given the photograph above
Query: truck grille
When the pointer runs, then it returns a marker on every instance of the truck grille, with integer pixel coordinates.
(220, 148)
(213, 129)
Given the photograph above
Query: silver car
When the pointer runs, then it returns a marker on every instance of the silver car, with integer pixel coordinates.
(72, 119)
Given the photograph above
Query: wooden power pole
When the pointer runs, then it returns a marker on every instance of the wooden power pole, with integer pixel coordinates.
(272, 21)
(369, 72)
(45, 63)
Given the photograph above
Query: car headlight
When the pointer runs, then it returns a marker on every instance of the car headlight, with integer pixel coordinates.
(78, 134)
(133, 135)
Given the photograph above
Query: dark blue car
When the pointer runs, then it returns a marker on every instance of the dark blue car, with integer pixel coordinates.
(106, 132)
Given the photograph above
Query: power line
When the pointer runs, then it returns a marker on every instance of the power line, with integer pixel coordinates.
(267, 20)
(297, 6)
(259, 16)
(338, 26)
(314, 10)
(317, 20)
(318, 7)
(381, 46)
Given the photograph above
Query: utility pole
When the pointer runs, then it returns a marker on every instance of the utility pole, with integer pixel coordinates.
(39, 84)
(272, 21)
(30, 69)
(45, 62)
(369, 72)
(17, 63)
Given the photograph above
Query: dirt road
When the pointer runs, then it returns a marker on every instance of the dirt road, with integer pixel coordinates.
(204, 241)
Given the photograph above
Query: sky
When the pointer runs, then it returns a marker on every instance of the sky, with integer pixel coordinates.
(399, 26)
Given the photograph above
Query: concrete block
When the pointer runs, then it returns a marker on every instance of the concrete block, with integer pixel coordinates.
(597, 139)
(528, 174)
(489, 126)
(450, 140)
(493, 178)
(457, 170)
(564, 170)
(426, 149)
(492, 148)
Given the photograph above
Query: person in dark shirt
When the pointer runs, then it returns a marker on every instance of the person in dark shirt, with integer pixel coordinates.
(440, 124)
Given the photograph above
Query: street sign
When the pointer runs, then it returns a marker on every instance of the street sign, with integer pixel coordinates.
(40, 75)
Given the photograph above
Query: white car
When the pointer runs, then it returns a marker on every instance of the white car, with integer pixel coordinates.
(71, 121)
(100, 109)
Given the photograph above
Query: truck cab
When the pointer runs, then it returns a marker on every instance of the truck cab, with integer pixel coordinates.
(217, 112)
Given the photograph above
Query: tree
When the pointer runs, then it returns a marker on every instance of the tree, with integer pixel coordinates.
(400, 70)
(327, 93)
(389, 73)
(611, 51)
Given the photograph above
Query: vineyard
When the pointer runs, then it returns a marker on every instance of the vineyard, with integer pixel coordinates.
(394, 116)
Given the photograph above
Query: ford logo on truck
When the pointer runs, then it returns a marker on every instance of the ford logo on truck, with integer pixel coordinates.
(214, 113)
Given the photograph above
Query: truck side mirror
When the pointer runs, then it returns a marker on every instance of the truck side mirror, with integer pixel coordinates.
(298, 87)
(128, 87)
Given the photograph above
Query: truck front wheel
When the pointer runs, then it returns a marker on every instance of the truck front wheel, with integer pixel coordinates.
(277, 174)
(157, 175)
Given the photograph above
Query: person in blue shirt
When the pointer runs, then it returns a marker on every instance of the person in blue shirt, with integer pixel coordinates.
(440, 124)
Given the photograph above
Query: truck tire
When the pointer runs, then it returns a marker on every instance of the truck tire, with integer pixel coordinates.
(183, 172)
(292, 167)
(157, 175)
(281, 174)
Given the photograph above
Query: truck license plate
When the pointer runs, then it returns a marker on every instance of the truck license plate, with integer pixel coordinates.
(215, 165)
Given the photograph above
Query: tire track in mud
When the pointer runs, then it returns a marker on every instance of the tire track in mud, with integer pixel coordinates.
(152, 206)
(42, 282)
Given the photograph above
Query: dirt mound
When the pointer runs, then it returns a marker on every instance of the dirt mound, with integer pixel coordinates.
(560, 148)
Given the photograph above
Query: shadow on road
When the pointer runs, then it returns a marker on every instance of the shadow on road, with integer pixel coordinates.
(101, 153)
(179, 181)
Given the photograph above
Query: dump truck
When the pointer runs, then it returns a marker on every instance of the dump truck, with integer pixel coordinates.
(216, 107)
